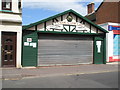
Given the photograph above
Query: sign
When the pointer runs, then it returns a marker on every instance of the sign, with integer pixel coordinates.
(68, 23)
(110, 28)
(29, 39)
(98, 43)
(26, 43)
(60, 25)
(33, 45)
(30, 43)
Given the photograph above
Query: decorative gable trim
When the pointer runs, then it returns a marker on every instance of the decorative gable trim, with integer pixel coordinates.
(84, 19)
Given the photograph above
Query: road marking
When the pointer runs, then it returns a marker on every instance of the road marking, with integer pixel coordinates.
(56, 75)
(89, 73)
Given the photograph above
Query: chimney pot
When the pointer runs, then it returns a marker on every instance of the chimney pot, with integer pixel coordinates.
(91, 7)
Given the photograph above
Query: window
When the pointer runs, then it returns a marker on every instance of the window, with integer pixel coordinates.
(19, 4)
(6, 5)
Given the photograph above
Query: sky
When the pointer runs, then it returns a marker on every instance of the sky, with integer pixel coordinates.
(36, 10)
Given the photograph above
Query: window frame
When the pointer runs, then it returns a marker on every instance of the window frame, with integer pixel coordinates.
(19, 4)
(4, 8)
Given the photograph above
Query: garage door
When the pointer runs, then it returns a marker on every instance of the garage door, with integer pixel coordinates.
(55, 49)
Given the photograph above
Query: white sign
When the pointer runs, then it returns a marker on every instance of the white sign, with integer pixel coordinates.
(34, 45)
(98, 43)
(29, 39)
(26, 43)
(69, 23)
(55, 27)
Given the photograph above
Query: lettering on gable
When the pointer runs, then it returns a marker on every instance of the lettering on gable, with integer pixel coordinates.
(61, 26)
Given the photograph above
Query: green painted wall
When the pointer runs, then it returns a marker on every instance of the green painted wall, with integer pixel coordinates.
(29, 55)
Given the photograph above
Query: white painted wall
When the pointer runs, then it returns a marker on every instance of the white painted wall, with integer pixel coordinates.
(10, 17)
(15, 6)
(32, 28)
(40, 27)
(0, 48)
(93, 29)
(59, 25)
(0, 5)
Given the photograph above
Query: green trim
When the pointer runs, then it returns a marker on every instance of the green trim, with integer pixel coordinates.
(68, 11)
(65, 29)
(37, 50)
(73, 29)
(45, 26)
(76, 19)
(61, 17)
(35, 27)
(5, 10)
(104, 50)
(55, 32)
(69, 28)
(29, 54)
(90, 28)
(100, 58)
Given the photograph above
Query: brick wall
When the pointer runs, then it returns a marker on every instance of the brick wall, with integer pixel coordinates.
(108, 12)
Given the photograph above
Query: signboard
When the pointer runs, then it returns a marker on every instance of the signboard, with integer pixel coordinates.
(110, 28)
(98, 43)
(30, 43)
(60, 25)
(29, 39)
(68, 23)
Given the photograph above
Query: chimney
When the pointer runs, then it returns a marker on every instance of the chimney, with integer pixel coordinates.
(90, 7)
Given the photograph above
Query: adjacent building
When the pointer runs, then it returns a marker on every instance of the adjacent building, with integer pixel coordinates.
(107, 16)
(10, 33)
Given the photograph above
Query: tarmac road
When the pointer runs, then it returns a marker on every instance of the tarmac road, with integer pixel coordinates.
(90, 80)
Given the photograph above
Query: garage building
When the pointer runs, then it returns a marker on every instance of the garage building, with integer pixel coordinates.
(63, 39)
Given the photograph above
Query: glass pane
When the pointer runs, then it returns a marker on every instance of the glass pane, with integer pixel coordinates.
(8, 40)
(4, 4)
(11, 47)
(11, 58)
(6, 47)
(8, 5)
(6, 58)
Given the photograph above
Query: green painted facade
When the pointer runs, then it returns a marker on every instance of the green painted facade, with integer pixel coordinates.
(29, 55)
(100, 57)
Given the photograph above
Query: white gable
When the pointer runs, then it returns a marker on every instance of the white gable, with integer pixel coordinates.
(61, 24)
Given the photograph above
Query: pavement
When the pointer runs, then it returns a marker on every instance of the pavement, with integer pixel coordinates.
(33, 72)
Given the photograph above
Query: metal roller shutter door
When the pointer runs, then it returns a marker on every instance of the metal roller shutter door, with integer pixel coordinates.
(64, 49)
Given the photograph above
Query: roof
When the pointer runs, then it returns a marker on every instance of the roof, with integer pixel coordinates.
(63, 13)
(92, 16)
(99, 7)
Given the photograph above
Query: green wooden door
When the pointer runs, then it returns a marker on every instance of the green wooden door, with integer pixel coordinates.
(29, 55)
(98, 50)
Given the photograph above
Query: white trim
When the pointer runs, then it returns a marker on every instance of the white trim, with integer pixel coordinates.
(110, 23)
(0, 49)
(10, 20)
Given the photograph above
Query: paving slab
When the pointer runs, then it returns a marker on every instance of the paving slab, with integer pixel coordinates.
(14, 73)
